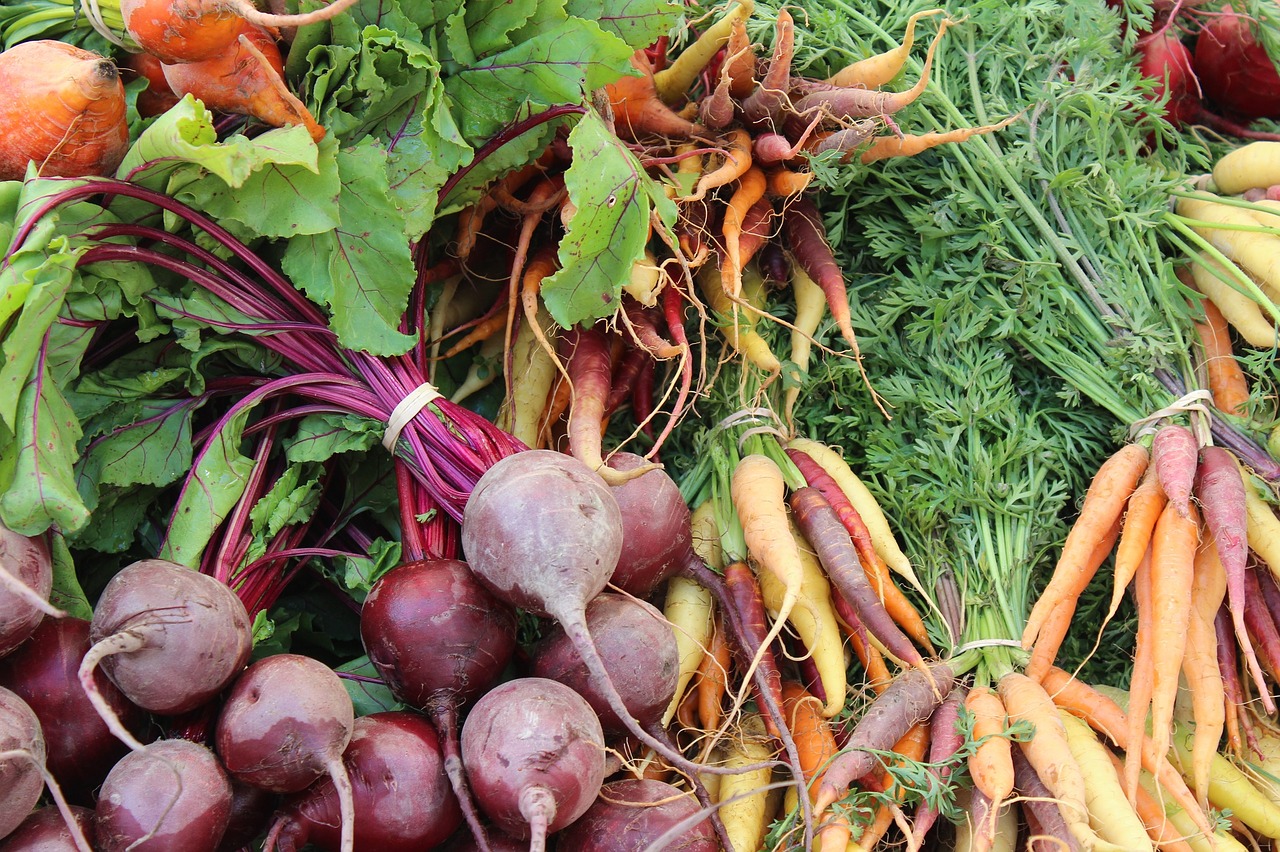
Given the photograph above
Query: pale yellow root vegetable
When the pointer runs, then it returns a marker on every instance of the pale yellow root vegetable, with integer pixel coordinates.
(1229, 787)
(1255, 252)
(1184, 825)
(1241, 312)
(1005, 838)
(1252, 166)
(1263, 529)
(689, 608)
(739, 324)
(876, 71)
(811, 307)
(484, 370)
(745, 801)
(814, 620)
(645, 281)
(673, 82)
(1049, 753)
(1200, 663)
(882, 538)
(521, 415)
(1109, 812)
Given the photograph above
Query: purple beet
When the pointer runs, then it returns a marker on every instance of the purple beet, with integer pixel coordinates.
(22, 770)
(631, 814)
(46, 831)
(171, 796)
(26, 578)
(439, 639)
(251, 812)
(285, 723)
(403, 802)
(534, 753)
(81, 750)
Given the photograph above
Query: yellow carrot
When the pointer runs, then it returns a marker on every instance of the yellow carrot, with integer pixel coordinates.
(811, 306)
(1241, 312)
(1184, 826)
(1263, 530)
(1109, 812)
(689, 609)
(522, 413)
(876, 71)
(673, 82)
(747, 819)
(1230, 788)
(1252, 166)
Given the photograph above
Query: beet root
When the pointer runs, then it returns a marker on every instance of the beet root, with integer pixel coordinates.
(171, 796)
(402, 799)
(22, 769)
(80, 750)
(46, 830)
(656, 533)
(26, 578)
(534, 752)
(631, 814)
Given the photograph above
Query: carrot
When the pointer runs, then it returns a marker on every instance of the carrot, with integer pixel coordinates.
(248, 79)
(1173, 550)
(1200, 663)
(802, 226)
(1108, 718)
(739, 325)
(1145, 506)
(1110, 815)
(489, 325)
(739, 66)
(1228, 667)
(688, 608)
(753, 627)
(1262, 530)
(1261, 626)
(1256, 164)
(811, 305)
(878, 677)
(1142, 681)
(900, 609)
(1226, 380)
(751, 187)
(1103, 504)
(822, 528)
(1220, 489)
(1173, 454)
(63, 110)
(911, 144)
(1219, 224)
(737, 160)
(745, 803)
(785, 183)
(991, 763)
(672, 82)
(1151, 812)
(909, 700)
(1240, 310)
(716, 111)
(1231, 788)
(815, 742)
(945, 740)
(876, 71)
(762, 108)
(713, 678)
(1048, 751)
(1038, 801)
(638, 111)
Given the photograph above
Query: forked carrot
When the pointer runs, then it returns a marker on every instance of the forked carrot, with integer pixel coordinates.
(785, 183)
(1144, 508)
(1104, 502)
(879, 70)
(638, 111)
(739, 60)
(1226, 379)
(751, 188)
(1200, 664)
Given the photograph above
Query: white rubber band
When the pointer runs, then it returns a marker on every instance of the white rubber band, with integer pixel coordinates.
(407, 409)
(1187, 403)
(986, 643)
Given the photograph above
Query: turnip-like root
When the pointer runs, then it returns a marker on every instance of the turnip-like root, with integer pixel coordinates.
(26, 578)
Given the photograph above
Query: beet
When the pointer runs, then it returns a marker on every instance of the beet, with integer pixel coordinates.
(26, 578)
(439, 639)
(1165, 59)
(1234, 70)
(285, 723)
(80, 749)
(655, 527)
(174, 793)
(251, 812)
(169, 637)
(534, 753)
(403, 802)
(46, 831)
(626, 817)
(22, 768)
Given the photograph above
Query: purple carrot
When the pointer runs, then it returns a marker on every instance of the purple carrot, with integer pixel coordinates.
(763, 107)
(1039, 801)
(945, 739)
(1261, 626)
(751, 625)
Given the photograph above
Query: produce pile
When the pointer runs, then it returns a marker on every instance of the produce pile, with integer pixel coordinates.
(631, 425)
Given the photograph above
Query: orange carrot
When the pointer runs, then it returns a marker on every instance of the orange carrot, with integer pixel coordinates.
(740, 60)
(247, 79)
(1200, 664)
(638, 112)
(991, 763)
(1141, 681)
(815, 741)
(1151, 812)
(876, 71)
(737, 160)
(884, 147)
(878, 677)
(713, 678)
(751, 188)
(63, 109)
(1225, 378)
(1145, 505)
(784, 183)
(1103, 504)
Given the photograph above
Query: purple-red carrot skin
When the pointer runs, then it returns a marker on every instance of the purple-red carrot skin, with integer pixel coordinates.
(1270, 592)
(1040, 801)
(769, 149)
(1220, 490)
(1173, 452)
(762, 107)
(752, 627)
(642, 397)
(945, 739)
(846, 141)
(805, 234)
(716, 111)
(624, 378)
(910, 699)
(590, 370)
(757, 226)
(1228, 662)
(822, 529)
(774, 264)
(1257, 618)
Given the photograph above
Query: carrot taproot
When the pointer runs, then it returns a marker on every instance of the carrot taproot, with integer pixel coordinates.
(1038, 802)
(751, 188)
(879, 70)
(1220, 225)
(1240, 310)
(762, 108)
(247, 79)
(822, 529)
(909, 700)
(807, 238)
(746, 807)
(739, 325)
(752, 625)
(1220, 489)
(739, 66)
(991, 762)
(1104, 502)
(1262, 627)
(1048, 751)
(672, 82)
(1256, 164)
(815, 743)
(1226, 379)
(713, 678)
(1140, 517)
(1262, 530)
(486, 327)
(639, 111)
(716, 110)
(63, 110)
(811, 305)
(786, 183)
(911, 144)
(878, 677)
(1110, 815)
(1174, 455)
(1160, 829)
(945, 739)
(737, 159)
(482, 372)
(688, 607)
(1173, 550)
(1098, 707)
(845, 141)
(1230, 788)
(1200, 663)
(1141, 681)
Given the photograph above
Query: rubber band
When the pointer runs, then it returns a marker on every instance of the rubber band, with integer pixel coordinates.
(1188, 403)
(986, 643)
(407, 409)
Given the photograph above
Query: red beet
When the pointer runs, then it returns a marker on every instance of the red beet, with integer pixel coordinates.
(26, 578)
(631, 814)
(1165, 59)
(46, 831)
(1234, 70)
